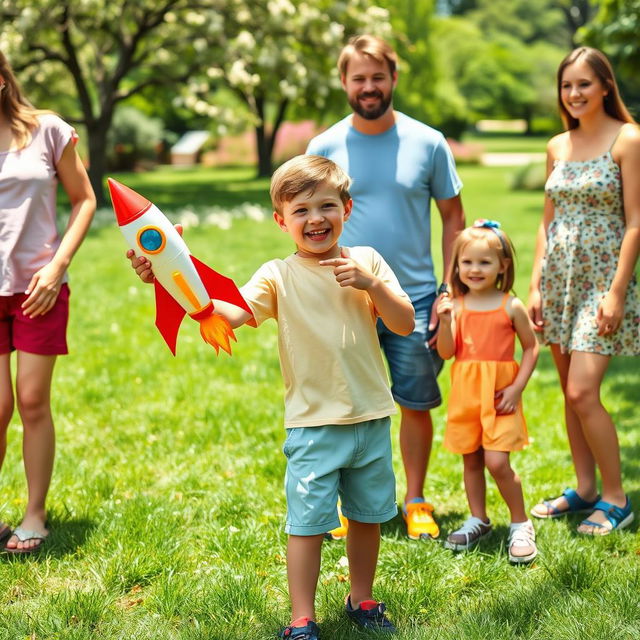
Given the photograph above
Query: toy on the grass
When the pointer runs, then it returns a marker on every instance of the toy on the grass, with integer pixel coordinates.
(182, 283)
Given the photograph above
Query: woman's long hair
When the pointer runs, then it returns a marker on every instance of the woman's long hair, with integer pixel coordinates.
(599, 63)
(21, 115)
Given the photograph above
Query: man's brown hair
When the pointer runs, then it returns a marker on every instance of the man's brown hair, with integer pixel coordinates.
(368, 45)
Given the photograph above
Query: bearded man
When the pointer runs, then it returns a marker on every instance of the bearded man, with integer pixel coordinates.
(398, 165)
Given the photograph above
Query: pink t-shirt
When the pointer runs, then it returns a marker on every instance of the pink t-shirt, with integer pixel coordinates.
(28, 185)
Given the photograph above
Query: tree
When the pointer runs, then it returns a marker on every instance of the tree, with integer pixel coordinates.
(614, 30)
(279, 56)
(104, 51)
(272, 53)
(555, 21)
(425, 90)
(499, 77)
(576, 13)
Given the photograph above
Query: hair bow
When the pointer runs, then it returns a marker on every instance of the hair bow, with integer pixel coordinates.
(486, 224)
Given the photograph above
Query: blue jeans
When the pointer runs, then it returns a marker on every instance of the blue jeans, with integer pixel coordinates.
(412, 364)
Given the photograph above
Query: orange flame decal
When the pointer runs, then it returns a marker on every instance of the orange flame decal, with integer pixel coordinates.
(216, 330)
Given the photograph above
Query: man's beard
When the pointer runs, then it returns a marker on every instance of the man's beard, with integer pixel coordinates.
(375, 112)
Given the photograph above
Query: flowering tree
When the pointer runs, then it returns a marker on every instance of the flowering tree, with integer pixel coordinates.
(271, 53)
(101, 52)
(278, 54)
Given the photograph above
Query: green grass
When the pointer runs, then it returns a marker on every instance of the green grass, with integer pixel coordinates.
(497, 143)
(166, 507)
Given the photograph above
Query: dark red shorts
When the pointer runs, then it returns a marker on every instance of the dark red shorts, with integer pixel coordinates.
(45, 335)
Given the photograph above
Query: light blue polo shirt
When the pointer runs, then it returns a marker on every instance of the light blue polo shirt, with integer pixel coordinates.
(395, 174)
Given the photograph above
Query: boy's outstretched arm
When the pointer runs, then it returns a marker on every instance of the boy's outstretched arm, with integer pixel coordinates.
(235, 315)
(396, 312)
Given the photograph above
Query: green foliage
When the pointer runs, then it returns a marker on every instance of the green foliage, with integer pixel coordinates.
(501, 76)
(530, 177)
(614, 30)
(425, 91)
(133, 137)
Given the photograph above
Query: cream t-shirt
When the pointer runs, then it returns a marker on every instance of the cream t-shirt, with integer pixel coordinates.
(330, 356)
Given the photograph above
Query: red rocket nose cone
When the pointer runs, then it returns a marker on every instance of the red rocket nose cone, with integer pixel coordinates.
(127, 203)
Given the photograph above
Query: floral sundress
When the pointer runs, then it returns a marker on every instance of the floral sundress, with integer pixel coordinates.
(583, 246)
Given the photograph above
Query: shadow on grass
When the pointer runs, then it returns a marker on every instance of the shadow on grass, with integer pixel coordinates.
(65, 537)
(224, 186)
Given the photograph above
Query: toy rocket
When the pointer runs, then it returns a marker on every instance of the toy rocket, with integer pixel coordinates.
(182, 283)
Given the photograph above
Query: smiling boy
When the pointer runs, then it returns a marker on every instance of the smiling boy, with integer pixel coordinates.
(326, 300)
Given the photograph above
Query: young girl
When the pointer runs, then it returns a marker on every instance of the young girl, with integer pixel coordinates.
(37, 149)
(485, 421)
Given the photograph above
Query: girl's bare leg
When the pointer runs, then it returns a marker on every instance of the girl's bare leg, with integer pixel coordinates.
(475, 484)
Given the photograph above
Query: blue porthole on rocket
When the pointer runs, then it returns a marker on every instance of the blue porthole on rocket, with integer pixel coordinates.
(151, 239)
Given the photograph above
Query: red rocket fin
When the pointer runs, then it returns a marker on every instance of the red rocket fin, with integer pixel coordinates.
(169, 315)
(221, 288)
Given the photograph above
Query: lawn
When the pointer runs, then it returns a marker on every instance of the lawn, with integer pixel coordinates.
(501, 143)
(166, 507)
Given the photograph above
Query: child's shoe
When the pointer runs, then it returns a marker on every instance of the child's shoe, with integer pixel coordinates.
(468, 535)
(370, 615)
(522, 542)
(339, 532)
(418, 515)
(310, 631)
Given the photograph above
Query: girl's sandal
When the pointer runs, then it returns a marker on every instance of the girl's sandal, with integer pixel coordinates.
(576, 504)
(618, 518)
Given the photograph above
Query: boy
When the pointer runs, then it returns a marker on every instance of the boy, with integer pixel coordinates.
(326, 300)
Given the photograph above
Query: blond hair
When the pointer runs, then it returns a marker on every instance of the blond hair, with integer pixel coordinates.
(368, 45)
(600, 65)
(498, 241)
(21, 115)
(303, 174)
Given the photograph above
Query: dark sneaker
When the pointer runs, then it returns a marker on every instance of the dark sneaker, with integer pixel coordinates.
(370, 615)
(468, 535)
(310, 631)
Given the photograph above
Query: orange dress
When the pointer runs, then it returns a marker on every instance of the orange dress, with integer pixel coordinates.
(484, 364)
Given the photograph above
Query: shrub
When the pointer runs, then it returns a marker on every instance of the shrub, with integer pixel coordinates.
(466, 152)
(133, 138)
(529, 177)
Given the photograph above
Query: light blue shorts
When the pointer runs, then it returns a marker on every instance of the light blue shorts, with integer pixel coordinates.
(412, 364)
(352, 461)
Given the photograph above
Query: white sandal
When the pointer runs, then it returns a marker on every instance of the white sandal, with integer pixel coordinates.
(522, 542)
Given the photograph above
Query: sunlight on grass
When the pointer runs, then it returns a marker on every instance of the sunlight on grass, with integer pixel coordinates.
(167, 505)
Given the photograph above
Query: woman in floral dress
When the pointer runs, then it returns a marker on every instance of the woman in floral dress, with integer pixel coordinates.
(584, 299)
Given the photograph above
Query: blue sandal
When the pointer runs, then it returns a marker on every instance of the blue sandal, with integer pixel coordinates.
(575, 502)
(618, 517)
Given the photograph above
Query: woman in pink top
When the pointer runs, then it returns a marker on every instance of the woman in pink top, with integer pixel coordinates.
(36, 150)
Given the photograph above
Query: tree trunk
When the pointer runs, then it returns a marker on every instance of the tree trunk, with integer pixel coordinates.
(264, 147)
(97, 134)
(528, 118)
(266, 138)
